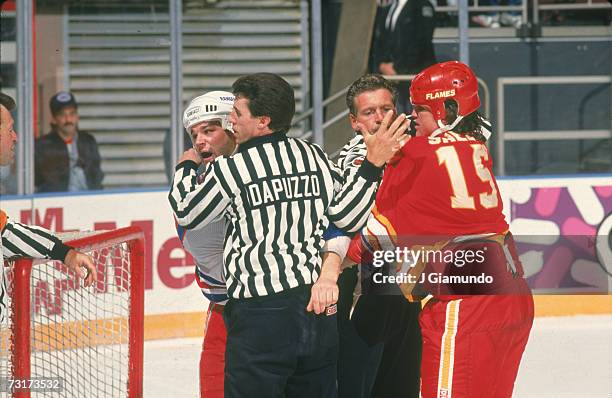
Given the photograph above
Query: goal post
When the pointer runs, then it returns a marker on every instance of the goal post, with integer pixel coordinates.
(64, 339)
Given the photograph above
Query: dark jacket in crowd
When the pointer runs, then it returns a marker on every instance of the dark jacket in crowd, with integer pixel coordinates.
(52, 171)
(410, 45)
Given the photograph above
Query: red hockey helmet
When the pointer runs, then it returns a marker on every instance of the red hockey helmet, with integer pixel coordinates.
(446, 80)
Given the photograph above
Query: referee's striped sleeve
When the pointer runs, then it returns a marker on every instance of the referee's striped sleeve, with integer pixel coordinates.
(352, 155)
(20, 240)
(196, 205)
(354, 195)
(353, 203)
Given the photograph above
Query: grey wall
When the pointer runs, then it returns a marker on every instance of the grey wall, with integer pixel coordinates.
(548, 107)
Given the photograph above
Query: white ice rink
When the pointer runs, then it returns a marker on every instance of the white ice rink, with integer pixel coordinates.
(566, 357)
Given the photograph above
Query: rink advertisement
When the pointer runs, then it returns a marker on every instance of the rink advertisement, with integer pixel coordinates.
(563, 231)
(553, 209)
(174, 305)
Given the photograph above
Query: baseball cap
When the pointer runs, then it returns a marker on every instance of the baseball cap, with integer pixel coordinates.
(60, 100)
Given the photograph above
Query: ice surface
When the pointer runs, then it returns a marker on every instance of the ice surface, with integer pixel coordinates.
(565, 357)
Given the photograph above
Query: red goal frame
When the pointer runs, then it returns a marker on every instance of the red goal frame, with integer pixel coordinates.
(21, 305)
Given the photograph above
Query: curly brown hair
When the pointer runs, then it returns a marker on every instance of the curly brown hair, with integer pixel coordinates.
(470, 125)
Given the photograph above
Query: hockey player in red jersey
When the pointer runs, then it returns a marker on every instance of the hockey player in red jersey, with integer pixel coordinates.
(440, 194)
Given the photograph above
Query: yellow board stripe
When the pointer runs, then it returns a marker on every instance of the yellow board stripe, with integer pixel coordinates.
(191, 324)
(76, 334)
(176, 325)
(447, 350)
(88, 333)
(568, 305)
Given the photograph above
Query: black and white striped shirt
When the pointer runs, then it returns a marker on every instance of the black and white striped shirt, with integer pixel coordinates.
(278, 195)
(352, 155)
(20, 240)
(350, 159)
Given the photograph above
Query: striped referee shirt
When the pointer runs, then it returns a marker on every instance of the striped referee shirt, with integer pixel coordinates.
(352, 155)
(350, 159)
(20, 240)
(278, 195)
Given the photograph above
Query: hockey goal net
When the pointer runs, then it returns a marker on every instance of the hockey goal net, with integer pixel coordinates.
(65, 340)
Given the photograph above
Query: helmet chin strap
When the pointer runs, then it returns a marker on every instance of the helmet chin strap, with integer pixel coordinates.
(445, 127)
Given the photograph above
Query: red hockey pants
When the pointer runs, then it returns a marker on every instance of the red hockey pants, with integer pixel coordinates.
(212, 359)
(472, 346)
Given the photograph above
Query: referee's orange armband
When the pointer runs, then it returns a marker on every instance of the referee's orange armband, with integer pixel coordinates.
(3, 220)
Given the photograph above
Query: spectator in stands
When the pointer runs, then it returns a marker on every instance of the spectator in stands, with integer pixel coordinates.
(8, 180)
(19, 240)
(408, 42)
(376, 49)
(495, 19)
(66, 159)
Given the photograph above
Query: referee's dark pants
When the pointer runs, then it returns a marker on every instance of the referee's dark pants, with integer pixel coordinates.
(275, 348)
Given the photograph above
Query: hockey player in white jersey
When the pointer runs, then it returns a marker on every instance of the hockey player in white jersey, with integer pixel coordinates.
(206, 121)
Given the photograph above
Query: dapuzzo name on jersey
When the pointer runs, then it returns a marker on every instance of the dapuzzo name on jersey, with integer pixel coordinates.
(283, 189)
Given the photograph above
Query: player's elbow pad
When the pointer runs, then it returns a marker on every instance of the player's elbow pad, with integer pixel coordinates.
(355, 249)
(338, 245)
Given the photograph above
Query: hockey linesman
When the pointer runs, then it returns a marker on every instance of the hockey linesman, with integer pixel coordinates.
(278, 195)
(380, 339)
(20, 240)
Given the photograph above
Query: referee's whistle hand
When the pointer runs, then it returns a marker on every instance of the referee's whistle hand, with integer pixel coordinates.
(191, 154)
(388, 139)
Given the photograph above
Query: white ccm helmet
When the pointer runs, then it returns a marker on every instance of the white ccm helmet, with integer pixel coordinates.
(214, 105)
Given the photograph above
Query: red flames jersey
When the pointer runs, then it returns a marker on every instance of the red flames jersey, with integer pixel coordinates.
(441, 185)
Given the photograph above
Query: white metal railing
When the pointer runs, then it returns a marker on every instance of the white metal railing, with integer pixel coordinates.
(540, 135)
(308, 134)
(523, 8)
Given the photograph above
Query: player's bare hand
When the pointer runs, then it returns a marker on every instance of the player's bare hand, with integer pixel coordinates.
(82, 265)
(388, 139)
(191, 154)
(323, 294)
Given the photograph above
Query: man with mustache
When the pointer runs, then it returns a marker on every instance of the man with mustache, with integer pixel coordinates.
(66, 159)
(20, 240)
